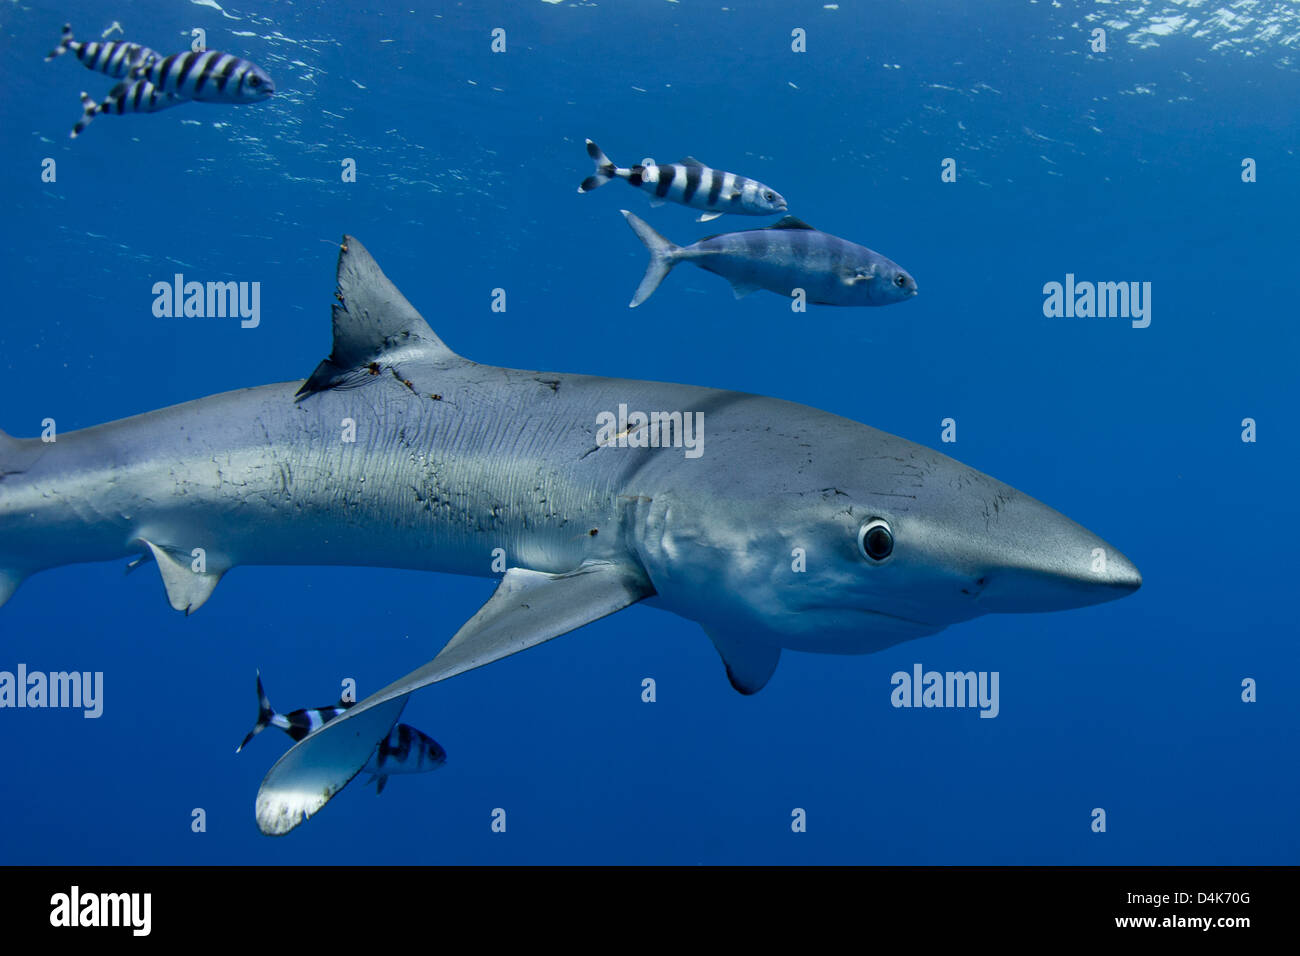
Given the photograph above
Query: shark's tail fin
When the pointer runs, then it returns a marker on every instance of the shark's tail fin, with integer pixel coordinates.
(264, 714)
(11, 463)
(65, 44)
(605, 169)
(663, 256)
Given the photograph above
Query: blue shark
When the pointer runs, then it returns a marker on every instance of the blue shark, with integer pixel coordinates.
(398, 452)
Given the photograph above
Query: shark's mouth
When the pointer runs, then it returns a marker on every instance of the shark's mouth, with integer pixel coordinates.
(883, 617)
(841, 629)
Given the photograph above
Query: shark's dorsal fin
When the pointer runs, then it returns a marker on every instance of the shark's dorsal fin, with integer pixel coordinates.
(527, 608)
(187, 589)
(790, 222)
(373, 324)
(749, 666)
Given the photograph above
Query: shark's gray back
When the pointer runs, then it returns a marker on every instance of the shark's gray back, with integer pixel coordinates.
(435, 474)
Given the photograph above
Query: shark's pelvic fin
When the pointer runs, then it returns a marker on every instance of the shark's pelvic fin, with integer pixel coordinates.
(749, 666)
(527, 608)
(187, 589)
(9, 581)
(373, 324)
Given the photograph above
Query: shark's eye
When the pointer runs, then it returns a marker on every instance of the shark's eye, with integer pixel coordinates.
(875, 540)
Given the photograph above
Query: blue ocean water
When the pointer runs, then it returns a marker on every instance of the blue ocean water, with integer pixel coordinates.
(1117, 166)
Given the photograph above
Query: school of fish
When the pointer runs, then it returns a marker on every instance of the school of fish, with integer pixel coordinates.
(151, 82)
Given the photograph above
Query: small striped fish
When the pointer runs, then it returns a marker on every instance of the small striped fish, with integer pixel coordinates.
(207, 76)
(129, 96)
(690, 183)
(116, 58)
(404, 750)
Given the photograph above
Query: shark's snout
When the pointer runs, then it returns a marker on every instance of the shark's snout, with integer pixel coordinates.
(1029, 589)
(1040, 560)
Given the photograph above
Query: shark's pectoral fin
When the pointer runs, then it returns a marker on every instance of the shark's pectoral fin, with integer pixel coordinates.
(742, 289)
(527, 608)
(374, 326)
(187, 588)
(300, 789)
(709, 216)
(749, 666)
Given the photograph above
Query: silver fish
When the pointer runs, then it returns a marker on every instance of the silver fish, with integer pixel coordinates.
(781, 258)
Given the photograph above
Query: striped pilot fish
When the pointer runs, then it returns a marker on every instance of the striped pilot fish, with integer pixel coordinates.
(115, 58)
(404, 750)
(206, 76)
(785, 256)
(129, 96)
(691, 183)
